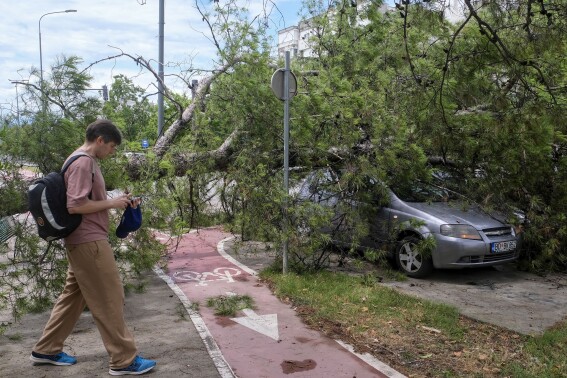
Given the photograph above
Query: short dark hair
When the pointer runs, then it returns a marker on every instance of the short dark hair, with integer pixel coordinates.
(105, 129)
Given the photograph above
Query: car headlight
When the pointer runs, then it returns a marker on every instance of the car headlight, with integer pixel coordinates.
(462, 231)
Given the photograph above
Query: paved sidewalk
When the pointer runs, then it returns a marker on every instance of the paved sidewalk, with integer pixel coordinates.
(158, 320)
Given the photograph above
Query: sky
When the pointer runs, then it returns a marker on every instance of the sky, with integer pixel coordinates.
(101, 28)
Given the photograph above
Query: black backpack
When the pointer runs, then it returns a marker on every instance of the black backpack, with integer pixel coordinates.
(47, 202)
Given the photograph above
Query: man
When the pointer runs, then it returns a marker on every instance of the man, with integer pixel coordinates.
(92, 277)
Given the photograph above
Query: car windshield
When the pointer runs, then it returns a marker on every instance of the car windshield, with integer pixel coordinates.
(418, 191)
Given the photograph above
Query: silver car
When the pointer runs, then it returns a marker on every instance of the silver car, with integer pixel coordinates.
(428, 226)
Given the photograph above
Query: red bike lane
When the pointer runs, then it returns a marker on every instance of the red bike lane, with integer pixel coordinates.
(267, 341)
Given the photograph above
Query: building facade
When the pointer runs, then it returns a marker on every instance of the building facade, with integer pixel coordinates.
(296, 38)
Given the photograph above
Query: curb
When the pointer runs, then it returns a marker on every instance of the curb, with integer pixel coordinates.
(212, 348)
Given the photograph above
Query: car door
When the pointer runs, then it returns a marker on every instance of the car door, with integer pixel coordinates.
(377, 213)
(317, 188)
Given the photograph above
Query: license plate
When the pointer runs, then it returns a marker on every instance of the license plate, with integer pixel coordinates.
(502, 246)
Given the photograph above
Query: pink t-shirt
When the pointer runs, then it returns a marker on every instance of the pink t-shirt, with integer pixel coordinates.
(80, 183)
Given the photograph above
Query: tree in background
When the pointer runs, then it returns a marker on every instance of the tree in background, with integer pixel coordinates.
(130, 110)
(31, 272)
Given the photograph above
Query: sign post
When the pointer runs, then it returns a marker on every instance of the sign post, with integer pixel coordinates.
(284, 86)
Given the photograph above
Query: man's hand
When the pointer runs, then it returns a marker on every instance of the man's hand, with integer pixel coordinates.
(135, 201)
(121, 202)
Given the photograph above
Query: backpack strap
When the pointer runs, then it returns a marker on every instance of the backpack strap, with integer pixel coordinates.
(72, 159)
(46, 252)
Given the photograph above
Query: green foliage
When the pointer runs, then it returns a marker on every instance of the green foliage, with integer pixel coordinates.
(66, 91)
(130, 110)
(45, 142)
(391, 93)
(476, 95)
(12, 190)
(229, 305)
(498, 121)
(32, 275)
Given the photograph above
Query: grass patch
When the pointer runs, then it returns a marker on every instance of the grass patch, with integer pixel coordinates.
(417, 337)
(135, 286)
(362, 302)
(194, 306)
(547, 355)
(229, 305)
(181, 311)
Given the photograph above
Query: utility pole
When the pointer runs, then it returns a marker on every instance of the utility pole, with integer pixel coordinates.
(160, 64)
(16, 82)
(160, 68)
(40, 52)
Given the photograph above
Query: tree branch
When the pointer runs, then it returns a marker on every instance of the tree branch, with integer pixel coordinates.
(165, 141)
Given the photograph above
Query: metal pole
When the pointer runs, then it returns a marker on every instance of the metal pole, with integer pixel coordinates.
(286, 159)
(40, 52)
(40, 58)
(160, 68)
(16, 82)
(17, 106)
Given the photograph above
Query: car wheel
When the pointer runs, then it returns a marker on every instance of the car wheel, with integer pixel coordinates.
(410, 260)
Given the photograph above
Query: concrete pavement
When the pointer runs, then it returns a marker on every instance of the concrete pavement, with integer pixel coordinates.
(156, 317)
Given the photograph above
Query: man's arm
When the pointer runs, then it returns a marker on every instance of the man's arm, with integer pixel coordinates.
(93, 206)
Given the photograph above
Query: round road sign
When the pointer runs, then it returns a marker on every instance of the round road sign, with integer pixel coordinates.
(278, 84)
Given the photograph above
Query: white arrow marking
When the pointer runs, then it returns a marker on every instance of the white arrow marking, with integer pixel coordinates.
(265, 324)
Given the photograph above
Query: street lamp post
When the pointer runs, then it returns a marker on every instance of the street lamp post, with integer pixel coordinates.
(40, 54)
(16, 82)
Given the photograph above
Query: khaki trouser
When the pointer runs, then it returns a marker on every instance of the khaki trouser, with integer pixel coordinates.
(92, 280)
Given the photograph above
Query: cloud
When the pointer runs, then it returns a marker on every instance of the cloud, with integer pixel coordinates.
(102, 28)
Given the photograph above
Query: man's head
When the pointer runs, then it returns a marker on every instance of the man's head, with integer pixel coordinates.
(104, 136)
(105, 129)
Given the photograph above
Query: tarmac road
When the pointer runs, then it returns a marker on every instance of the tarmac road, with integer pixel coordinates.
(519, 301)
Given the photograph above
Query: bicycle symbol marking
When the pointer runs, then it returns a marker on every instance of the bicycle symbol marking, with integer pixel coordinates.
(202, 279)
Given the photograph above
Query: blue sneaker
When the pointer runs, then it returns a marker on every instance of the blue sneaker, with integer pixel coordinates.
(138, 366)
(61, 359)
